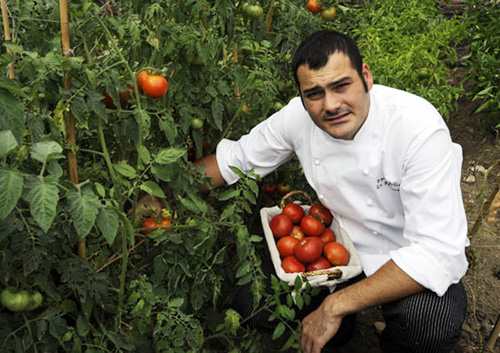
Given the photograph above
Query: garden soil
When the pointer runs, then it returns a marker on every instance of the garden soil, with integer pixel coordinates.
(480, 181)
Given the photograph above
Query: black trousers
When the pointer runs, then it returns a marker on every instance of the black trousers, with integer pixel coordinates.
(423, 322)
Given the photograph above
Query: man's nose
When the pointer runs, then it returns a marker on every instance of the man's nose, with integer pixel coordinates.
(332, 102)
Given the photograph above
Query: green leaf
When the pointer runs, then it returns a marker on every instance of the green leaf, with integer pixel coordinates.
(83, 209)
(125, 170)
(46, 151)
(7, 142)
(107, 222)
(144, 154)
(11, 188)
(43, 196)
(169, 155)
(11, 114)
(152, 189)
(229, 194)
(278, 331)
(176, 303)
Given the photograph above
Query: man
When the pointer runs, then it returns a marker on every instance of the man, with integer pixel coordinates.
(383, 162)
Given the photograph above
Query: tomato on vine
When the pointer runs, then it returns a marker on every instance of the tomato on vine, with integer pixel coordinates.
(15, 301)
(314, 6)
(141, 77)
(329, 13)
(155, 86)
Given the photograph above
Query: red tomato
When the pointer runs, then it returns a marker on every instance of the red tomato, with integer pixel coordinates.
(309, 249)
(320, 263)
(149, 223)
(283, 189)
(291, 265)
(165, 222)
(336, 253)
(286, 244)
(314, 6)
(327, 236)
(297, 233)
(155, 86)
(141, 77)
(320, 212)
(281, 225)
(269, 188)
(294, 211)
(311, 226)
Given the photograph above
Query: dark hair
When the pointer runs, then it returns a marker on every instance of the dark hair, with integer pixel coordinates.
(317, 48)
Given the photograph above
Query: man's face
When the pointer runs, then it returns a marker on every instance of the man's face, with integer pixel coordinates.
(335, 96)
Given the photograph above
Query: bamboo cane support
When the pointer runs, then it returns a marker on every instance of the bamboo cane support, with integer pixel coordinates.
(70, 120)
(8, 38)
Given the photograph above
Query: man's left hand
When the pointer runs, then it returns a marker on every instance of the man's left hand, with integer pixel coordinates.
(318, 328)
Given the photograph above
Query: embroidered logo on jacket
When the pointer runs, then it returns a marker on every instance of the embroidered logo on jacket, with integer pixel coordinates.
(391, 184)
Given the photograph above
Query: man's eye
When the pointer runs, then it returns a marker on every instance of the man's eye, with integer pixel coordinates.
(314, 95)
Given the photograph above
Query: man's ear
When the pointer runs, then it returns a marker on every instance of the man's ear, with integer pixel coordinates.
(367, 75)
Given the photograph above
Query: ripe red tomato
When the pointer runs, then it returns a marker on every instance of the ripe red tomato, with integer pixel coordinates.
(291, 265)
(314, 6)
(269, 188)
(281, 225)
(321, 263)
(309, 249)
(328, 14)
(165, 222)
(297, 233)
(336, 253)
(320, 212)
(155, 86)
(149, 223)
(286, 244)
(327, 236)
(283, 189)
(311, 226)
(294, 211)
(141, 77)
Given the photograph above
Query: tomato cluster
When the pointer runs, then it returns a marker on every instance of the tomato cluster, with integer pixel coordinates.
(153, 86)
(315, 7)
(304, 241)
(151, 223)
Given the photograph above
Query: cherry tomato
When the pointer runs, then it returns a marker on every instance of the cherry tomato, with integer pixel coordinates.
(149, 223)
(141, 77)
(286, 244)
(328, 14)
(15, 301)
(314, 6)
(336, 253)
(320, 212)
(294, 211)
(309, 249)
(311, 226)
(291, 265)
(327, 236)
(321, 263)
(155, 86)
(281, 225)
(297, 233)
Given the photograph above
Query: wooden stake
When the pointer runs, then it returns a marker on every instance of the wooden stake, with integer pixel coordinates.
(70, 120)
(6, 28)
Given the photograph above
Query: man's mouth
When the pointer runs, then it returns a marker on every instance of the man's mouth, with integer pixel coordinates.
(337, 118)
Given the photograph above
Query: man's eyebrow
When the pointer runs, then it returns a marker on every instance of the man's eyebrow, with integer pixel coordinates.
(331, 84)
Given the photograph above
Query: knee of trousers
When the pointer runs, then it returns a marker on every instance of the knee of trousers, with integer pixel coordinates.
(425, 322)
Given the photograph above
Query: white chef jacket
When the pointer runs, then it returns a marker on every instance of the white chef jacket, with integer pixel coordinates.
(395, 188)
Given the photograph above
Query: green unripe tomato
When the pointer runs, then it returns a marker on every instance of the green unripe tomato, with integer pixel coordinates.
(36, 299)
(15, 301)
(197, 123)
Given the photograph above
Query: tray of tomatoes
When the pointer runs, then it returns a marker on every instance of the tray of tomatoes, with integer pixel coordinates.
(306, 240)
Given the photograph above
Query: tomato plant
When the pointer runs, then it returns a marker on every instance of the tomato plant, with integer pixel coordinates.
(291, 264)
(336, 253)
(309, 249)
(155, 86)
(281, 225)
(311, 226)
